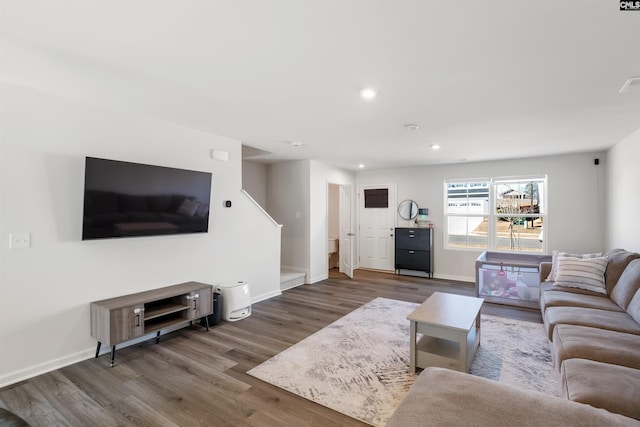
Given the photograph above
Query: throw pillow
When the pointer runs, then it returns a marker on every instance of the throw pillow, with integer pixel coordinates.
(582, 273)
(557, 254)
(188, 207)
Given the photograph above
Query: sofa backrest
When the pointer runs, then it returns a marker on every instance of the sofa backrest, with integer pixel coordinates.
(634, 307)
(617, 263)
(627, 285)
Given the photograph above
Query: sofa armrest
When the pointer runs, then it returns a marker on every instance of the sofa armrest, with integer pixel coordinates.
(545, 269)
(441, 397)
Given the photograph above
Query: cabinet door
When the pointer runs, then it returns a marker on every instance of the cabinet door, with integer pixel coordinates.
(126, 323)
(201, 303)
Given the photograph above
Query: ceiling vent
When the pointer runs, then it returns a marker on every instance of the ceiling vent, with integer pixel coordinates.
(631, 85)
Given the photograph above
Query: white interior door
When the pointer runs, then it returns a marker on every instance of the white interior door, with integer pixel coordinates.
(376, 230)
(347, 235)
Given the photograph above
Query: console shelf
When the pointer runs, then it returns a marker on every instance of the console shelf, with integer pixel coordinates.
(120, 319)
(160, 323)
(164, 310)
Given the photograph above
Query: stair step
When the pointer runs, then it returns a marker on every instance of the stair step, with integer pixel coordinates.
(290, 279)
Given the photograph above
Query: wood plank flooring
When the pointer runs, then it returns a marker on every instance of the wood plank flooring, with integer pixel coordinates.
(195, 378)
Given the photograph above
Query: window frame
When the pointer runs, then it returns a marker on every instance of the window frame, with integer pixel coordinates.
(491, 214)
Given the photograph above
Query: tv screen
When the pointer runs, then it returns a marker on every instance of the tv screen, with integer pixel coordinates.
(123, 199)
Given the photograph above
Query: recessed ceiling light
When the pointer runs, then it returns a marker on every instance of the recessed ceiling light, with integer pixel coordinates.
(411, 126)
(296, 144)
(435, 147)
(368, 93)
(361, 166)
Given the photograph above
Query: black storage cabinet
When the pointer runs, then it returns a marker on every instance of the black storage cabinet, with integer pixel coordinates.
(414, 249)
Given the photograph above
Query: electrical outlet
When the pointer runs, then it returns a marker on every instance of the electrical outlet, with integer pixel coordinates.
(19, 240)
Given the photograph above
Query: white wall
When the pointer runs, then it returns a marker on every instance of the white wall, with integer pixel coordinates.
(45, 291)
(623, 203)
(288, 203)
(297, 194)
(575, 195)
(254, 181)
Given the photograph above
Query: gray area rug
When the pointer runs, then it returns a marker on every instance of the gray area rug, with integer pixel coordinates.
(359, 365)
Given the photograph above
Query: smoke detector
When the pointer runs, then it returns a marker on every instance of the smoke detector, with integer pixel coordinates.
(631, 85)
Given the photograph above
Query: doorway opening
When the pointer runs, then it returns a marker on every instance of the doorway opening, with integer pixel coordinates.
(340, 235)
(333, 242)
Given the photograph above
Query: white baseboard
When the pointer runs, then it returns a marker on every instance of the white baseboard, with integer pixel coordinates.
(415, 273)
(266, 296)
(319, 278)
(458, 278)
(43, 368)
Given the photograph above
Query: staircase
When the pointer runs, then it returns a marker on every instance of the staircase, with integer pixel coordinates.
(290, 278)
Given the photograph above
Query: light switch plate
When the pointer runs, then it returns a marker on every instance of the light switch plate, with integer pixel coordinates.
(19, 240)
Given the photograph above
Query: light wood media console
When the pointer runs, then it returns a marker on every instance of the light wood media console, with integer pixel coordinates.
(120, 319)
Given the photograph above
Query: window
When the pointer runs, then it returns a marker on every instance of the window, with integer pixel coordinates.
(467, 208)
(504, 214)
(376, 198)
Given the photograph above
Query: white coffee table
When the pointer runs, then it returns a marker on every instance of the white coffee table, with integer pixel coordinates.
(445, 332)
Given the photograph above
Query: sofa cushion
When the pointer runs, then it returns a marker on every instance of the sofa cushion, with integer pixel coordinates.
(604, 319)
(582, 273)
(627, 285)
(618, 261)
(561, 298)
(634, 307)
(601, 345)
(602, 385)
(442, 397)
(557, 255)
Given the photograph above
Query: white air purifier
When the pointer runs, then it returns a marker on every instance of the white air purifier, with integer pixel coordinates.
(236, 301)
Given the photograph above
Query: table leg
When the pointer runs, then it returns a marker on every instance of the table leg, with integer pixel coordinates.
(462, 341)
(206, 322)
(98, 349)
(113, 356)
(412, 340)
(158, 337)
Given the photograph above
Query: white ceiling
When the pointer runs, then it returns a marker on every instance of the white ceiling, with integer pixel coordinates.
(483, 79)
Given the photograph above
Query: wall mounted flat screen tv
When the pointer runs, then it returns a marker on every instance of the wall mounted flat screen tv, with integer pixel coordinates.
(124, 199)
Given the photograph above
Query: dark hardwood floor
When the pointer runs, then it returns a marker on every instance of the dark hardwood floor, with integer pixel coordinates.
(195, 378)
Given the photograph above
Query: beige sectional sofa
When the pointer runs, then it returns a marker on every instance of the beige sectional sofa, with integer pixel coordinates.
(595, 344)
(595, 337)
